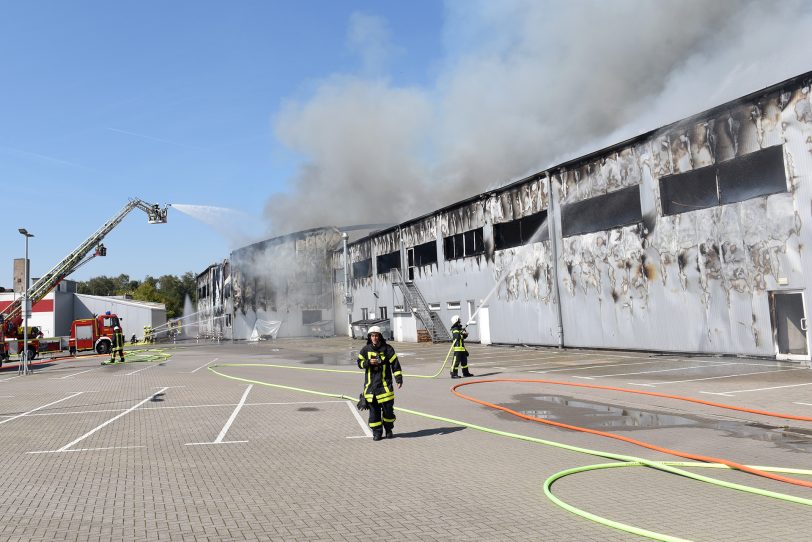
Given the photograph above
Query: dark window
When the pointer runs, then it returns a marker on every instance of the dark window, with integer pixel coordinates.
(756, 174)
(689, 191)
(309, 317)
(386, 262)
(462, 245)
(759, 173)
(364, 313)
(601, 213)
(362, 269)
(521, 231)
(382, 311)
(425, 254)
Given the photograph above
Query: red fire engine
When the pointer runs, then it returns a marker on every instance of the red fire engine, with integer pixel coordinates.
(96, 331)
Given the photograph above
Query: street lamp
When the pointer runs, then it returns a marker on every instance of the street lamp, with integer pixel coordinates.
(23, 369)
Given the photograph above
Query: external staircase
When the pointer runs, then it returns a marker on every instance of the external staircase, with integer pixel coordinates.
(416, 304)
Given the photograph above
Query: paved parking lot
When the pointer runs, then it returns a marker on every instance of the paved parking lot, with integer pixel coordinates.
(171, 450)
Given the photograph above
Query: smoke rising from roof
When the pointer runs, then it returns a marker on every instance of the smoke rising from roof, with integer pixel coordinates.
(524, 84)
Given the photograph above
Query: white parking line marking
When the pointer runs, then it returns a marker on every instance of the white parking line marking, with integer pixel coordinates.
(41, 407)
(178, 407)
(760, 389)
(579, 368)
(364, 426)
(224, 430)
(86, 449)
(711, 377)
(70, 375)
(649, 372)
(139, 370)
(203, 366)
(805, 404)
(111, 420)
(12, 378)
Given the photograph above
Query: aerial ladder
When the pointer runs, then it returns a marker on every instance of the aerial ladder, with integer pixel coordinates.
(12, 318)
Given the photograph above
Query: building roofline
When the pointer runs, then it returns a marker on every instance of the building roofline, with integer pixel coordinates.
(134, 302)
(568, 164)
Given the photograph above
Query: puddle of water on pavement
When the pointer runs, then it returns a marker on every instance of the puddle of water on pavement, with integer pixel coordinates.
(603, 416)
(331, 359)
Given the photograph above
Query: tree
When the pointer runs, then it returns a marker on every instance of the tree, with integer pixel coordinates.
(167, 289)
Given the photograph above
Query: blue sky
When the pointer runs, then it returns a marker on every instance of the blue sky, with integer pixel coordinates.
(306, 113)
(170, 102)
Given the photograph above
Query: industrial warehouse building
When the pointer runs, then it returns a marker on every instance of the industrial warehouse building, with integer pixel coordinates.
(688, 238)
(54, 313)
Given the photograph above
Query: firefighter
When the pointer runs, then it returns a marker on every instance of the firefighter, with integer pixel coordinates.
(147, 333)
(460, 353)
(381, 364)
(118, 345)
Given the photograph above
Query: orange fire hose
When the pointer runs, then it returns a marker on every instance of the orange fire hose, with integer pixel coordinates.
(687, 455)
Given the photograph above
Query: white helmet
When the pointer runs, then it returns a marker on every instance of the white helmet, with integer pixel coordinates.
(374, 329)
(455, 319)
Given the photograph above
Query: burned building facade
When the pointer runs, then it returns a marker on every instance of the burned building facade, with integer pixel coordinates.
(214, 302)
(687, 238)
(284, 284)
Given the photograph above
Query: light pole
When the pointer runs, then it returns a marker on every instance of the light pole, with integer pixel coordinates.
(23, 369)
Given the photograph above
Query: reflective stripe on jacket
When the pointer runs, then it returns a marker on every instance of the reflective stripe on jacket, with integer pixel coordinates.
(378, 378)
(459, 335)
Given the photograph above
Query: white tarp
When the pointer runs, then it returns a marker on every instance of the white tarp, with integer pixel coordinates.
(265, 329)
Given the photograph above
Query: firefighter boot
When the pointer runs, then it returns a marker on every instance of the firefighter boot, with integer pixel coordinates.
(389, 432)
(454, 374)
(466, 373)
(376, 436)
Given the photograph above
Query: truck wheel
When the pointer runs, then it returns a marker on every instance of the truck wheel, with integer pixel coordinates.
(103, 347)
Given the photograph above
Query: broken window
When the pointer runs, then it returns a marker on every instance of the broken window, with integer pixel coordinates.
(521, 231)
(465, 244)
(387, 262)
(759, 173)
(310, 317)
(600, 213)
(425, 254)
(338, 275)
(689, 191)
(362, 269)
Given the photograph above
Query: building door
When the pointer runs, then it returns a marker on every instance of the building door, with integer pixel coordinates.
(410, 264)
(473, 324)
(789, 325)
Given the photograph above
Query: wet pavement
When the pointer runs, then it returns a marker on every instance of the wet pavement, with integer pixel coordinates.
(144, 451)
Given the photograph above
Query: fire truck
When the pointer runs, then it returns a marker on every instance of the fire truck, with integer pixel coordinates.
(97, 331)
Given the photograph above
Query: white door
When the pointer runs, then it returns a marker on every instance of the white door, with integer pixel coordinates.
(789, 325)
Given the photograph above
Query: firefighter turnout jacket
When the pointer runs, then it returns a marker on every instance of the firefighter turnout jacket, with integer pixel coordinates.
(381, 365)
(459, 335)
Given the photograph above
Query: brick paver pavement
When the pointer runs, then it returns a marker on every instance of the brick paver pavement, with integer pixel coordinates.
(305, 471)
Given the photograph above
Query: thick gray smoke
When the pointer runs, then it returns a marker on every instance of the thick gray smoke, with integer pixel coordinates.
(524, 84)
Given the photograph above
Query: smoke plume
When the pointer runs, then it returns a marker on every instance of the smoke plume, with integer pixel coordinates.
(523, 85)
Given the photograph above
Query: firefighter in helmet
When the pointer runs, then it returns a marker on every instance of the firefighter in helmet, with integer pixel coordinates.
(118, 345)
(381, 366)
(458, 345)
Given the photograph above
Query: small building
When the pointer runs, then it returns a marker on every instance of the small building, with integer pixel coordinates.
(54, 313)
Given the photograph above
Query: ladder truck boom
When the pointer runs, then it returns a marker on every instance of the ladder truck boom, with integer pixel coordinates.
(11, 318)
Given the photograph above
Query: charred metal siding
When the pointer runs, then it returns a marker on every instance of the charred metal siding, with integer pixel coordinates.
(690, 279)
(214, 302)
(279, 279)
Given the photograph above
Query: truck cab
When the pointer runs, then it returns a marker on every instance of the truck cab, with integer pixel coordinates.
(93, 333)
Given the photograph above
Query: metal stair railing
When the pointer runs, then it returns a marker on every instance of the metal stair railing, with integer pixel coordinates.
(417, 305)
